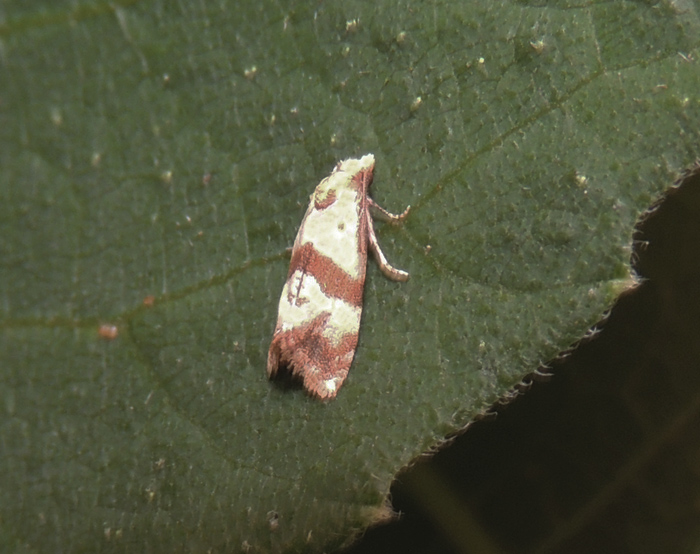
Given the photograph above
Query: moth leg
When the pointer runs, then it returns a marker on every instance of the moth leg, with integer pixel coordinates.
(387, 269)
(381, 213)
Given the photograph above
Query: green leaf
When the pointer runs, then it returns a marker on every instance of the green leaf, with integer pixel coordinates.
(168, 151)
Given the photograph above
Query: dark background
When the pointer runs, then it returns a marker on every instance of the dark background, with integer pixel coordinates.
(602, 456)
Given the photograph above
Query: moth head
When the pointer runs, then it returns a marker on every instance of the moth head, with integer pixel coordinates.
(354, 166)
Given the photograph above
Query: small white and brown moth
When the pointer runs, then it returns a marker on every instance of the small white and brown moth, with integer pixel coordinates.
(321, 304)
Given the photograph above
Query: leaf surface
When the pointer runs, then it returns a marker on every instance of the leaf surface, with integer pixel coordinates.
(156, 162)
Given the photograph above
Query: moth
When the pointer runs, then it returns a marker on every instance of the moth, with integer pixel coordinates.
(319, 313)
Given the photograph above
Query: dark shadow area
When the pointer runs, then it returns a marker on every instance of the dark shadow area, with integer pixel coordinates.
(605, 456)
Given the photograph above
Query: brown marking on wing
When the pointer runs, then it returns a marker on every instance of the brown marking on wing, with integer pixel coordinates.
(363, 179)
(321, 202)
(333, 280)
(305, 353)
